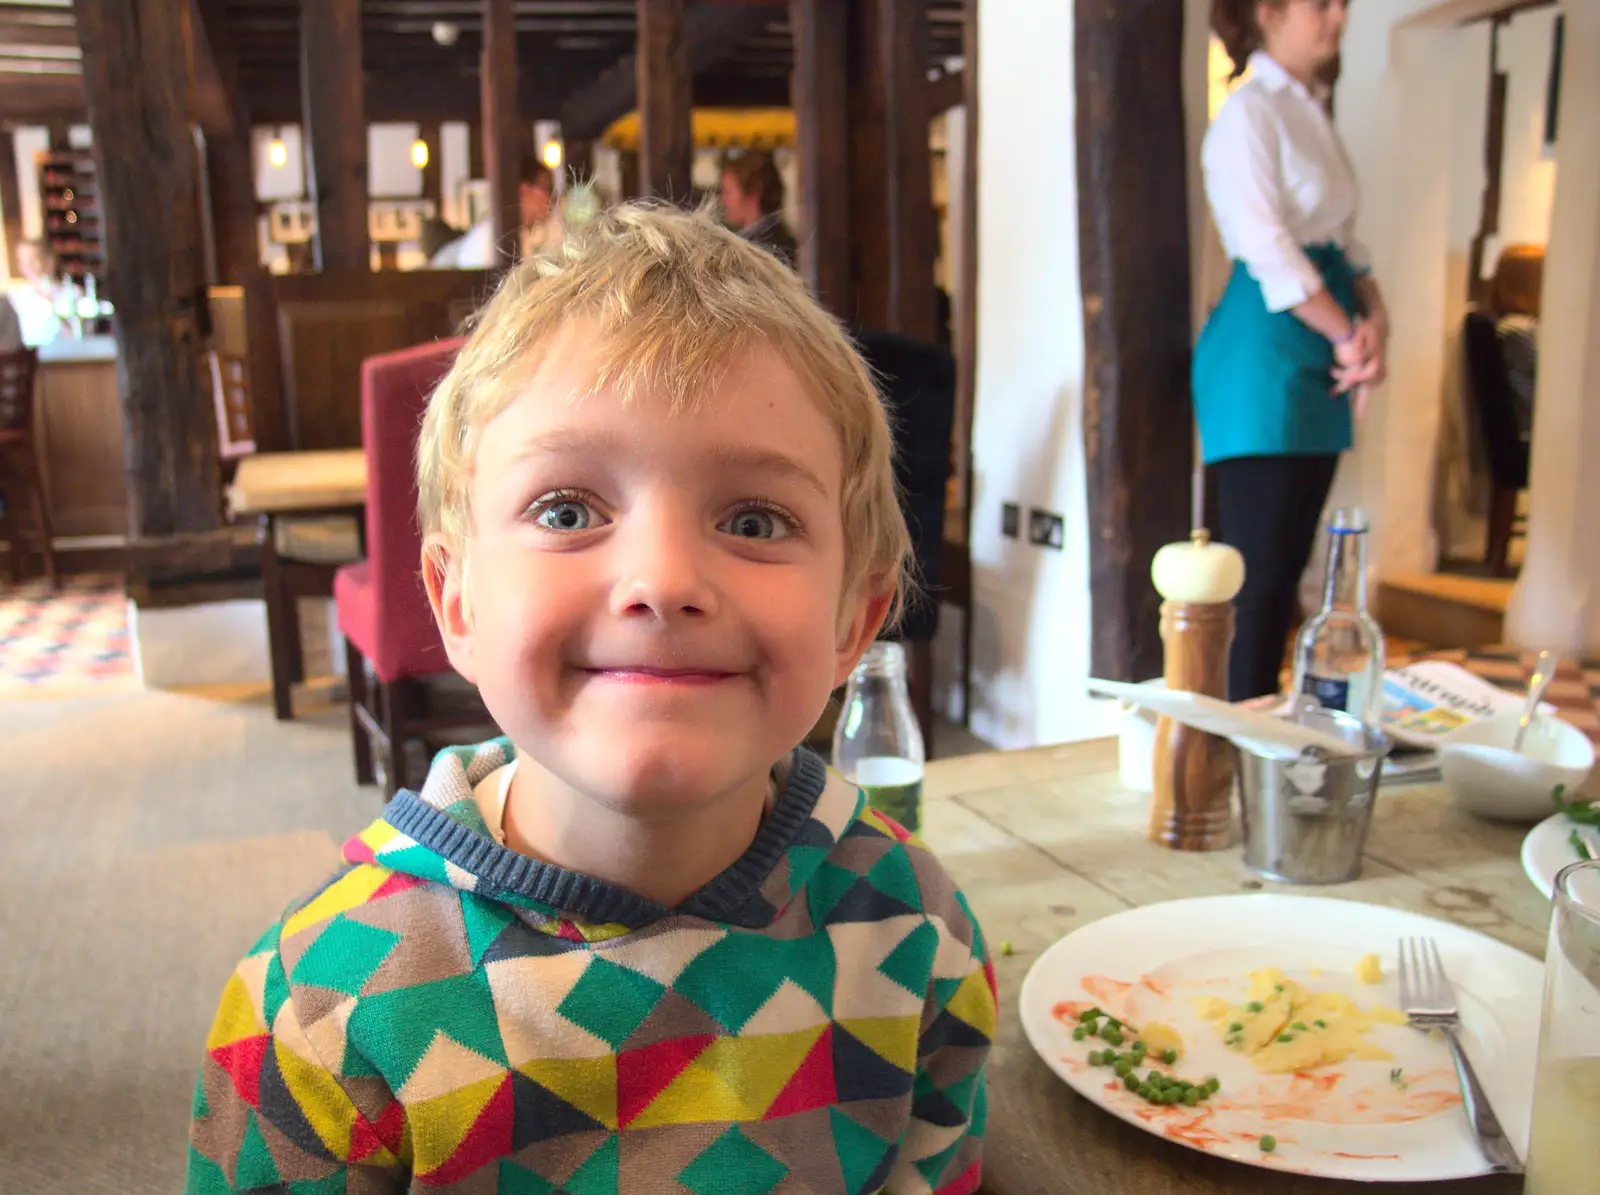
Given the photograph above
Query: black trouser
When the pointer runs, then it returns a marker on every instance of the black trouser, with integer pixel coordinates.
(1269, 508)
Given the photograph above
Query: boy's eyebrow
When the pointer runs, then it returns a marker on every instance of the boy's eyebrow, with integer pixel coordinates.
(738, 457)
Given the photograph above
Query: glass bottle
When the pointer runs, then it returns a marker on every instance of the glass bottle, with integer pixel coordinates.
(1338, 656)
(877, 743)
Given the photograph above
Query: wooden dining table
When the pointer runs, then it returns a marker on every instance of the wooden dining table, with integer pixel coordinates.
(1044, 841)
(309, 496)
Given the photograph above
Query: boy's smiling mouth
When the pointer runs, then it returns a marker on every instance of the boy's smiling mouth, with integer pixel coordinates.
(642, 674)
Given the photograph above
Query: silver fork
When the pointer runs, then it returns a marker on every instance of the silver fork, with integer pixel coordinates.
(1429, 1002)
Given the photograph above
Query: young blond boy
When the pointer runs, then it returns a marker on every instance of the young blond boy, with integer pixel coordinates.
(645, 943)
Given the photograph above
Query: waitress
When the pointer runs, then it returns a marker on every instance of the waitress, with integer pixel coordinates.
(1300, 332)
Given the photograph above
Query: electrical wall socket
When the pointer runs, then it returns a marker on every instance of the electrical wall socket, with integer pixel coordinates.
(1046, 529)
(1010, 520)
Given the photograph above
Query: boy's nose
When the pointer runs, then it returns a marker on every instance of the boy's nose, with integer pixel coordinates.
(661, 572)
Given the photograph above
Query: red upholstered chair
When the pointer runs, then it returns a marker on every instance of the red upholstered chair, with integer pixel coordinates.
(391, 641)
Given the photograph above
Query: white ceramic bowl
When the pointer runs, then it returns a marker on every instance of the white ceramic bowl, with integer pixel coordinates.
(1489, 779)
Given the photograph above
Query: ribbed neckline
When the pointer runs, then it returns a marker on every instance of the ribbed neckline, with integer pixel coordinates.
(733, 897)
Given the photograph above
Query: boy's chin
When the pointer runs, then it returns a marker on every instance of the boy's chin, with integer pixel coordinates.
(655, 779)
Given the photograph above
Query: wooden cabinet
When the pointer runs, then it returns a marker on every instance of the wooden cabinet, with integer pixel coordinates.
(79, 428)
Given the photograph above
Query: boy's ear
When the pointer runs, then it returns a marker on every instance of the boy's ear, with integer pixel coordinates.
(865, 611)
(444, 574)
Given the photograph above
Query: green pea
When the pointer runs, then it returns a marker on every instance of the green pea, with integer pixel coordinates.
(1139, 1047)
(1079, 1033)
(1236, 1027)
(1124, 1067)
(1090, 1014)
(1268, 1143)
(1131, 1082)
(1299, 1025)
(1254, 1006)
(1113, 1022)
(1285, 1037)
(1191, 1098)
(1320, 1024)
(1212, 1082)
(1112, 1034)
(1169, 1056)
(1277, 987)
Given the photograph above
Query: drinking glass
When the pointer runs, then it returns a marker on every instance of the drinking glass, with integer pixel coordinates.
(1564, 1151)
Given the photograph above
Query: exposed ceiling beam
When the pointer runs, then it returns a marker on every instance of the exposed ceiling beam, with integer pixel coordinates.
(713, 31)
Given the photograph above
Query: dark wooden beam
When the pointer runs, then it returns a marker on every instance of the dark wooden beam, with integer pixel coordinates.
(10, 199)
(505, 137)
(1134, 264)
(213, 102)
(913, 233)
(432, 188)
(965, 337)
(136, 56)
(869, 195)
(230, 165)
(712, 32)
(822, 138)
(42, 99)
(335, 122)
(946, 91)
(666, 134)
(36, 29)
(1494, 154)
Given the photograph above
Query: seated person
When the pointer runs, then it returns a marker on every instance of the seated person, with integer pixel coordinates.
(539, 230)
(35, 301)
(646, 942)
(752, 203)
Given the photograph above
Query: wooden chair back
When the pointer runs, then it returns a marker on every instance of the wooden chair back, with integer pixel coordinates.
(230, 388)
(17, 371)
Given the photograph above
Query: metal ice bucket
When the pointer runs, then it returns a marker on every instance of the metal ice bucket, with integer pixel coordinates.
(1306, 817)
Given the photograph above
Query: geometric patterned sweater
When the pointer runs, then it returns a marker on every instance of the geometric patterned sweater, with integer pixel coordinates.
(448, 1015)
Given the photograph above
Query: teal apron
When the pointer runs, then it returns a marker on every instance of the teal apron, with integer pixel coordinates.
(1263, 382)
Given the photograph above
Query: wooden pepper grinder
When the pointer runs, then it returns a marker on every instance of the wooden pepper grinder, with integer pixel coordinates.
(1192, 809)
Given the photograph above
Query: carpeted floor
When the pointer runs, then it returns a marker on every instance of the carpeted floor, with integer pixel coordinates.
(146, 840)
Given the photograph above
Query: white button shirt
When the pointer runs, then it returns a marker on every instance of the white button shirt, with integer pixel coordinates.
(1277, 178)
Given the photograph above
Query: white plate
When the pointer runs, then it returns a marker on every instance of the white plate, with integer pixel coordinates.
(1548, 848)
(1205, 946)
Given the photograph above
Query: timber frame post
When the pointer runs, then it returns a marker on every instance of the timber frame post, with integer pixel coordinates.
(1133, 229)
(137, 76)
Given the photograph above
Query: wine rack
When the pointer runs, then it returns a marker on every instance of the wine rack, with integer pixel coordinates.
(73, 223)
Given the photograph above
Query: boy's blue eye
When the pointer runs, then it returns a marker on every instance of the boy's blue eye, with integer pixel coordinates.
(756, 524)
(566, 515)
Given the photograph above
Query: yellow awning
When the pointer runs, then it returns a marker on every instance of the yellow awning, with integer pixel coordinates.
(718, 128)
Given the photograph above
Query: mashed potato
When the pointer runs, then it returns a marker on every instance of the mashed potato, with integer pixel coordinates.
(1283, 1027)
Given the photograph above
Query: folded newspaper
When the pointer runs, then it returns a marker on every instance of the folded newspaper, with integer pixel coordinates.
(1423, 702)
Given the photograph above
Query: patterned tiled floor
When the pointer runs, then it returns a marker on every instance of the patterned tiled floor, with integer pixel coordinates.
(74, 638)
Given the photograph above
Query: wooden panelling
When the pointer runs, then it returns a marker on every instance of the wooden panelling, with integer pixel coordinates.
(309, 334)
(79, 424)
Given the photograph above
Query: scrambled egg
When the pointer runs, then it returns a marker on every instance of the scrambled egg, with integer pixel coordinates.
(1368, 969)
(1160, 1038)
(1283, 1027)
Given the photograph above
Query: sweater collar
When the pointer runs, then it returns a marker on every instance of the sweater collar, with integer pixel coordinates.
(439, 835)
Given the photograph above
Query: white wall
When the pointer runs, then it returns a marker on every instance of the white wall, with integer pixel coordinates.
(390, 173)
(1528, 176)
(1031, 605)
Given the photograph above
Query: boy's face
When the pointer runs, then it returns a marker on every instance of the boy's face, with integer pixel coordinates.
(657, 607)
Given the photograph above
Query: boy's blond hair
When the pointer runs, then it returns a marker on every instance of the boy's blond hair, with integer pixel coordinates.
(677, 298)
